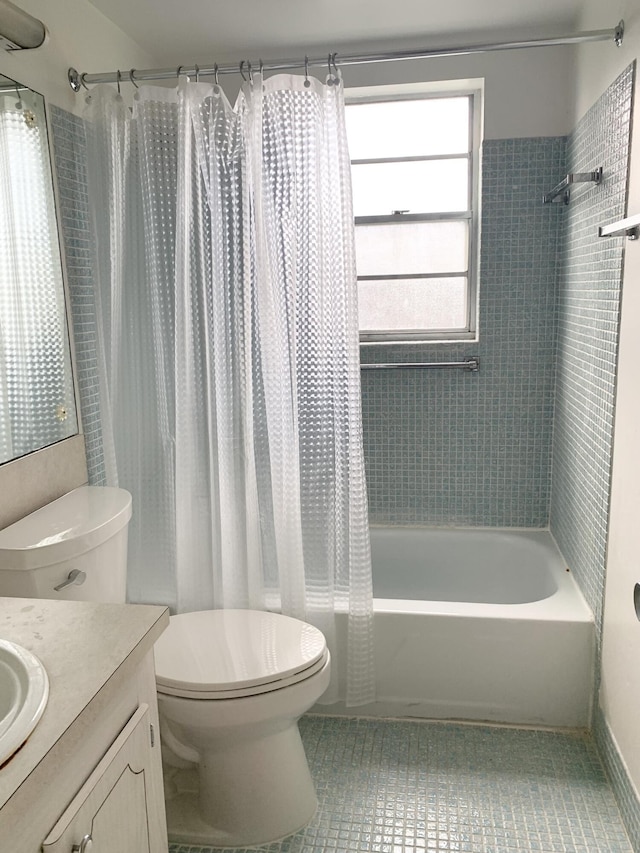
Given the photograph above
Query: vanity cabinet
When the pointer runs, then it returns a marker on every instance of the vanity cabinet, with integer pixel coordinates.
(117, 807)
(91, 772)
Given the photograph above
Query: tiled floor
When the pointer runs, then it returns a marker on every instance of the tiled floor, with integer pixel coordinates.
(405, 787)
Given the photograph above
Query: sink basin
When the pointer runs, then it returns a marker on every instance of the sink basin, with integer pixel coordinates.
(24, 690)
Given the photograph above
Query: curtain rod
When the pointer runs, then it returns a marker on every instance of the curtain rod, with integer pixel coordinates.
(77, 80)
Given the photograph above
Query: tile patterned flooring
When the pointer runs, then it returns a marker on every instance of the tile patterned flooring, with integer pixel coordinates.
(421, 787)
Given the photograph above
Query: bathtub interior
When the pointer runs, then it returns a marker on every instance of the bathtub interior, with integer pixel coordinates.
(462, 564)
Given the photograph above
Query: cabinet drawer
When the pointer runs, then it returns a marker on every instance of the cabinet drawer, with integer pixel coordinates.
(110, 812)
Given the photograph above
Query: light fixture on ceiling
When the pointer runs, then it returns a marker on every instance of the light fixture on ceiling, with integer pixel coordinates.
(19, 30)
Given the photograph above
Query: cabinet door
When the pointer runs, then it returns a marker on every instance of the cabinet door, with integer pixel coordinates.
(112, 811)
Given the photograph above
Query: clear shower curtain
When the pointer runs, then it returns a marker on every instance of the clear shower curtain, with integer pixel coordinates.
(231, 381)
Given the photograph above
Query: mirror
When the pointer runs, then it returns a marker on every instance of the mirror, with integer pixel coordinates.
(37, 406)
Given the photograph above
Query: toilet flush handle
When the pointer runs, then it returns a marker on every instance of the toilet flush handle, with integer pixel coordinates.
(75, 577)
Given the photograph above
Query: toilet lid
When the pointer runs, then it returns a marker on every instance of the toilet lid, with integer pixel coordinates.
(231, 653)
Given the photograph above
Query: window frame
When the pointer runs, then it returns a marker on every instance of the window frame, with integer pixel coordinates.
(473, 90)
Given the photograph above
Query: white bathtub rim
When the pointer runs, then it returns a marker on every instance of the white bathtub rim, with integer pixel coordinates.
(564, 607)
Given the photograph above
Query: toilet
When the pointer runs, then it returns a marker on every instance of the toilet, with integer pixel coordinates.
(231, 684)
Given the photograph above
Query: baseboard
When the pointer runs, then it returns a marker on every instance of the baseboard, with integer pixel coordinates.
(623, 789)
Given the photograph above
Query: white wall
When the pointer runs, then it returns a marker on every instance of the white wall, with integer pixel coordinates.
(79, 36)
(620, 688)
(527, 92)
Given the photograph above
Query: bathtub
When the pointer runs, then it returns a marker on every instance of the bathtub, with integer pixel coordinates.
(477, 624)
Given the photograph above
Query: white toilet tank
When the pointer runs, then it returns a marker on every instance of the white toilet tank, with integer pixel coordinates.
(73, 548)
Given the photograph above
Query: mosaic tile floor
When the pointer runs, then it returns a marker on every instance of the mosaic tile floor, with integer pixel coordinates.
(405, 787)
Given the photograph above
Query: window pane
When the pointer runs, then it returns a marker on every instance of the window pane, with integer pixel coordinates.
(416, 187)
(426, 304)
(411, 247)
(408, 128)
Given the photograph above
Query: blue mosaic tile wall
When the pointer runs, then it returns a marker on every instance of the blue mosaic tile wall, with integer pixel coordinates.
(452, 447)
(69, 153)
(588, 320)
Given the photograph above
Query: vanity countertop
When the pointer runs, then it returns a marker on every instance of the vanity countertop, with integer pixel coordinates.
(83, 646)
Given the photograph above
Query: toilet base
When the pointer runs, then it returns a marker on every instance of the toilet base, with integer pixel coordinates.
(185, 826)
(264, 799)
(249, 782)
(258, 789)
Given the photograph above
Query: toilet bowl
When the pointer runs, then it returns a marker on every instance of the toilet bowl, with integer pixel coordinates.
(232, 685)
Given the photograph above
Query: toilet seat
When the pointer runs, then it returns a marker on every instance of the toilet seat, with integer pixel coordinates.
(227, 654)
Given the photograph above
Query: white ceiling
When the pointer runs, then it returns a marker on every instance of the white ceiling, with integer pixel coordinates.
(184, 31)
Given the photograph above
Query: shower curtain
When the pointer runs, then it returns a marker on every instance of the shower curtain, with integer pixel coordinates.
(230, 388)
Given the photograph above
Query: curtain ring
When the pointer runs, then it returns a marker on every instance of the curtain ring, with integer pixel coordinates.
(250, 69)
(118, 79)
(178, 70)
(329, 71)
(215, 74)
(333, 62)
(132, 79)
(242, 72)
(261, 68)
(307, 82)
(19, 97)
(197, 70)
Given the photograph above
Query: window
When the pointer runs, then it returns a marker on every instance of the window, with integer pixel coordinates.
(415, 195)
